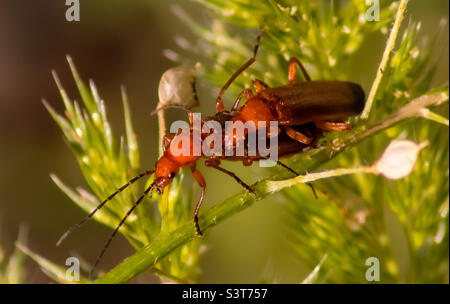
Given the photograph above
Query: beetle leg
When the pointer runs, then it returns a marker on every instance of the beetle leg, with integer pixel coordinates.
(248, 94)
(191, 119)
(294, 134)
(333, 126)
(191, 123)
(166, 141)
(201, 181)
(215, 163)
(292, 74)
(247, 162)
(219, 101)
(258, 85)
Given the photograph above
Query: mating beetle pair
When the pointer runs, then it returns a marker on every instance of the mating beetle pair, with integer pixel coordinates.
(303, 111)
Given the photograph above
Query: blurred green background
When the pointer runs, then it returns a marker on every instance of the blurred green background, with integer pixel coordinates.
(122, 42)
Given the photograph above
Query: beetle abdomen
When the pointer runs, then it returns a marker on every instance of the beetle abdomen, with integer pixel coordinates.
(300, 103)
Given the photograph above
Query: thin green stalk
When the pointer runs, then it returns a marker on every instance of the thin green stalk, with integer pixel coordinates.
(170, 277)
(165, 243)
(312, 277)
(410, 275)
(434, 117)
(275, 186)
(384, 60)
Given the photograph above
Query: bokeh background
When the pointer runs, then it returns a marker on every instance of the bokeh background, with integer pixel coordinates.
(122, 42)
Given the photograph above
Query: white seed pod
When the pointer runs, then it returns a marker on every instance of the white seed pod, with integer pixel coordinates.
(177, 87)
(398, 159)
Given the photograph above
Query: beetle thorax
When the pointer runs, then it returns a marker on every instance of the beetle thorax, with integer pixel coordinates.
(255, 110)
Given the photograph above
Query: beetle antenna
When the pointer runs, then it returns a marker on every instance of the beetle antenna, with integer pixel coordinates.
(150, 188)
(292, 171)
(76, 226)
(219, 102)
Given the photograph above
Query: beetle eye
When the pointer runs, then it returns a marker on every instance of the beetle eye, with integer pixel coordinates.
(171, 175)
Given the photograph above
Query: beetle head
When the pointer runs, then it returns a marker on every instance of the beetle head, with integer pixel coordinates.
(166, 170)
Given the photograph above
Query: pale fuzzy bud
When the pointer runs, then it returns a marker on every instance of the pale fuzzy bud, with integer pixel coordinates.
(398, 159)
(177, 87)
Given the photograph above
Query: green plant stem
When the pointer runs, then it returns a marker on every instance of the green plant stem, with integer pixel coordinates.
(410, 275)
(312, 277)
(165, 243)
(384, 60)
(435, 117)
(175, 279)
(275, 186)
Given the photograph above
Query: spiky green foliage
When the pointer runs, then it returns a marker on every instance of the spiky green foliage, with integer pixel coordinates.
(108, 163)
(335, 234)
(322, 34)
(415, 201)
(12, 270)
(105, 165)
(348, 223)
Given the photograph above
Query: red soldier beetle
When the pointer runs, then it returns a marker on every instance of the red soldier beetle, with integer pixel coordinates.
(302, 109)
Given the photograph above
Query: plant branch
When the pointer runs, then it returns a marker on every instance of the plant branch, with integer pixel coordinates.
(276, 186)
(384, 60)
(165, 243)
(435, 117)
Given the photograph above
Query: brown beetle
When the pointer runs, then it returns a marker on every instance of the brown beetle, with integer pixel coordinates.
(302, 110)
